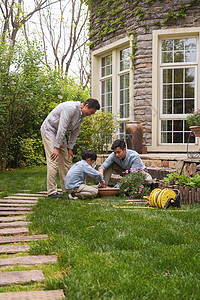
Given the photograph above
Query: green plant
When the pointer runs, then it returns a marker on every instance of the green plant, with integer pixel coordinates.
(31, 152)
(133, 184)
(182, 180)
(194, 118)
(175, 15)
(96, 133)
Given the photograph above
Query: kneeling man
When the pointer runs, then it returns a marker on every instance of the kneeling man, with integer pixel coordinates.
(121, 160)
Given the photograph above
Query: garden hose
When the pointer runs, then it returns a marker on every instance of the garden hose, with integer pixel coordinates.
(164, 198)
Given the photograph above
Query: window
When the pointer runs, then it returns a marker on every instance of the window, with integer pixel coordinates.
(124, 66)
(106, 83)
(178, 88)
(110, 76)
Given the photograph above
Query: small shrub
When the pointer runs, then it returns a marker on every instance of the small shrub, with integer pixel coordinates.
(133, 185)
(182, 180)
(96, 133)
(31, 152)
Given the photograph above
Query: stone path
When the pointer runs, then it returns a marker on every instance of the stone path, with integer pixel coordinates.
(13, 230)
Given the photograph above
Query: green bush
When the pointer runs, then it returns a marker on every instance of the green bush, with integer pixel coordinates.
(28, 92)
(96, 133)
(31, 152)
(182, 180)
(133, 185)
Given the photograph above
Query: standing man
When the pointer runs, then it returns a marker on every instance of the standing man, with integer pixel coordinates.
(122, 159)
(66, 118)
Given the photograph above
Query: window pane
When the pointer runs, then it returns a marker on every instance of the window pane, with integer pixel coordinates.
(178, 91)
(189, 90)
(167, 57)
(190, 56)
(167, 91)
(179, 44)
(167, 45)
(106, 65)
(167, 76)
(190, 44)
(124, 59)
(179, 56)
(189, 74)
(124, 96)
(178, 107)
(167, 107)
(189, 106)
(178, 137)
(106, 95)
(174, 131)
(179, 50)
(178, 75)
(178, 125)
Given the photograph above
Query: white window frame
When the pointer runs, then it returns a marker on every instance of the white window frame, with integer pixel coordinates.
(105, 78)
(96, 55)
(159, 35)
(121, 73)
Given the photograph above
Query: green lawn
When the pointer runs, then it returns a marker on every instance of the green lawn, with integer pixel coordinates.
(106, 252)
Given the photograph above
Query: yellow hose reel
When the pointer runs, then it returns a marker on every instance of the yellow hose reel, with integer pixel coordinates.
(164, 198)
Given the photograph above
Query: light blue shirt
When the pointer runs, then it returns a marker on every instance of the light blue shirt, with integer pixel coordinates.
(131, 162)
(78, 172)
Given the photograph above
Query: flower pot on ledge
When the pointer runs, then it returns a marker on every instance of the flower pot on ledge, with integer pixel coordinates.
(195, 130)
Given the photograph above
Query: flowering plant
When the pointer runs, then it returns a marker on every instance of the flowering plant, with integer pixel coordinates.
(96, 133)
(133, 184)
(193, 119)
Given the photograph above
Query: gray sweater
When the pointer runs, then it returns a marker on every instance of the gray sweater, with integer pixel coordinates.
(64, 118)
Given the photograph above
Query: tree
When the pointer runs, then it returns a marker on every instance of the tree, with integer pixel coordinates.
(14, 16)
(64, 34)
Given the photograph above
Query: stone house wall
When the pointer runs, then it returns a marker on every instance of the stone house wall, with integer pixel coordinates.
(140, 18)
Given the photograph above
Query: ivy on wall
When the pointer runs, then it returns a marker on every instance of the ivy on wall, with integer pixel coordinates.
(109, 16)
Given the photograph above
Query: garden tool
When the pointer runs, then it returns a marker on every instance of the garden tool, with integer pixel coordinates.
(164, 198)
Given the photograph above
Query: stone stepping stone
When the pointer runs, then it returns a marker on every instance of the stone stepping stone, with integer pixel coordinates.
(17, 201)
(14, 208)
(21, 197)
(34, 295)
(13, 231)
(23, 238)
(8, 278)
(13, 224)
(31, 195)
(13, 213)
(13, 249)
(16, 204)
(11, 219)
(28, 260)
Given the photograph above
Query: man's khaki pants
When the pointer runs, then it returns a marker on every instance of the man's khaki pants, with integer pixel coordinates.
(85, 191)
(117, 169)
(63, 164)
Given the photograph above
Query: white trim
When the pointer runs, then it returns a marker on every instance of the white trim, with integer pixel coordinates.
(158, 35)
(96, 78)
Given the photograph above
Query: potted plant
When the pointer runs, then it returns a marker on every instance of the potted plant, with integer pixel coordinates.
(193, 121)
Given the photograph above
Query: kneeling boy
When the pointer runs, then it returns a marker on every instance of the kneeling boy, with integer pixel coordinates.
(76, 177)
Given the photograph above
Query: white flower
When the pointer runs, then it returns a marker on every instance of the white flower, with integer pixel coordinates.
(59, 97)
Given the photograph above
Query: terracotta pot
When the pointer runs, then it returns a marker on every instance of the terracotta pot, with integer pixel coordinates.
(108, 192)
(136, 129)
(195, 130)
